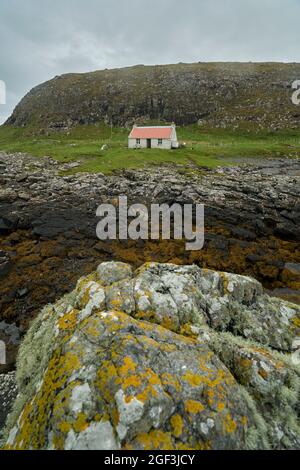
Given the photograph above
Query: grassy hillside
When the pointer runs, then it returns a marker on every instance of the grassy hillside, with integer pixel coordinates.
(225, 112)
(253, 96)
(210, 147)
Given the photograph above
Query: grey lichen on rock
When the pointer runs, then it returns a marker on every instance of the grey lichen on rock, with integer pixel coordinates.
(168, 357)
(108, 273)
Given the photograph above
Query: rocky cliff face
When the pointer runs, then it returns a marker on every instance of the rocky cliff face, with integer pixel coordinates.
(166, 357)
(254, 96)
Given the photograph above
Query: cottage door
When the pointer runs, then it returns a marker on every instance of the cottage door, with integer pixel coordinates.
(148, 143)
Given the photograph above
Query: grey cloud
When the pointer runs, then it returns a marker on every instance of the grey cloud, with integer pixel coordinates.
(41, 39)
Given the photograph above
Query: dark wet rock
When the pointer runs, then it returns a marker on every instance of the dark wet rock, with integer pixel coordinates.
(291, 295)
(22, 292)
(10, 335)
(7, 224)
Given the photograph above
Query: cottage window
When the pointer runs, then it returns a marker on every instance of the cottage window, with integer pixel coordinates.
(159, 141)
(138, 141)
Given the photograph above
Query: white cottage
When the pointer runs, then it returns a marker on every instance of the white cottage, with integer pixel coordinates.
(164, 137)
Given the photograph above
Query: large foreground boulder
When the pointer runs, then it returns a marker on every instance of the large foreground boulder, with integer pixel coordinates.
(168, 357)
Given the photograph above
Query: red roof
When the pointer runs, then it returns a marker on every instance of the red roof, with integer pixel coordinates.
(151, 133)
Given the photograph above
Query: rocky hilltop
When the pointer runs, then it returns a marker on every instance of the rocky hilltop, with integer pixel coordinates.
(249, 95)
(166, 357)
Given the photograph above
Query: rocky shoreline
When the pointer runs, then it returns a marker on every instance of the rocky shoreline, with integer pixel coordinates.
(48, 239)
(218, 95)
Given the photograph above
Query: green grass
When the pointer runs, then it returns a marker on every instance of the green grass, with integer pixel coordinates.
(208, 148)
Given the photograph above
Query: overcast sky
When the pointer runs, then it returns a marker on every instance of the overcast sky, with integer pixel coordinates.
(43, 38)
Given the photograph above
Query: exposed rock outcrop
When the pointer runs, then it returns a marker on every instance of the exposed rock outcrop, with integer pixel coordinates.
(48, 225)
(251, 96)
(166, 357)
